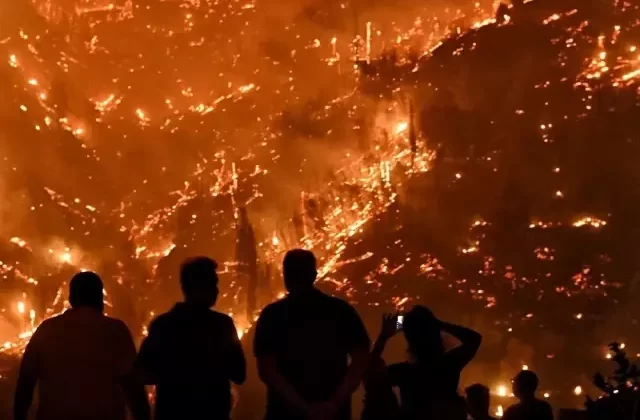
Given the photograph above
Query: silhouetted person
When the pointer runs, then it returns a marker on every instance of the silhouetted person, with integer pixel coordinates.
(247, 256)
(82, 362)
(525, 385)
(303, 343)
(380, 402)
(428, 381)
(478, 402)
(192, 353)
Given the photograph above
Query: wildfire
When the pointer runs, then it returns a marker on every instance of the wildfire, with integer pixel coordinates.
(501, 391)
(590, 221)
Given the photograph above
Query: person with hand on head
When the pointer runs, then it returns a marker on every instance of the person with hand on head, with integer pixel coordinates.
(192, 353)
(529, 407)
(82, 362)
(428, 380)
(303, 344)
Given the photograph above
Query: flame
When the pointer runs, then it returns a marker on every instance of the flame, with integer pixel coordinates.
(401, 127)
(501, 391)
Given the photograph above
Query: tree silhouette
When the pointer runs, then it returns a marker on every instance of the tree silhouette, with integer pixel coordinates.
(620, 391)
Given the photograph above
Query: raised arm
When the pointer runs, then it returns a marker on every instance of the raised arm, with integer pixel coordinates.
(469, 338)
(387, 330)
(27, 379)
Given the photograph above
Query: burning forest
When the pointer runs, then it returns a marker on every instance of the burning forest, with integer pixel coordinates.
(479, 158)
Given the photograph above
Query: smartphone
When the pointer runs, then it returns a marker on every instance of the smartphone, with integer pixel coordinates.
(399, 322)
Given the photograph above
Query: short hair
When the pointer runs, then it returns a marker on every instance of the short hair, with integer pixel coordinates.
(196, 273)
(300, 264)
(86, 289)
(526, 381)
(478, 396)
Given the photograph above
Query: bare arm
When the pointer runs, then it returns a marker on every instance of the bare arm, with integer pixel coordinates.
(470, 340)
(27, 379)
(265, 349)
(357, 340)
(387, 330)
(359, 363)
(131, 381)
(269, 374)
(237, 361)
(136, 397)
(146, 362)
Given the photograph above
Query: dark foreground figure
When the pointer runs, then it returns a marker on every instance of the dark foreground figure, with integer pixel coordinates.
(525, 385)
(81, 362)
(192, 353)
(303, 343)
(478, 402)
(428, 381)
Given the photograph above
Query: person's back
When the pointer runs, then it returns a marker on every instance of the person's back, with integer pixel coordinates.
(478, 402)
(82, 355)
(534, 409)
(80, 361)
(192, 353)
(529, 407)
(305, 340)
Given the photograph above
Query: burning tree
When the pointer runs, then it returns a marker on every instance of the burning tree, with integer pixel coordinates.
(621, 396)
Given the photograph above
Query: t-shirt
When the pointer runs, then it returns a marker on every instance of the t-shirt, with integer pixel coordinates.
(192, 354)
(79, 359)
(529, 410)
(311, 338)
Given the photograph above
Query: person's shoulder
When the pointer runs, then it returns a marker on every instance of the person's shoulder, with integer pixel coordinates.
(275, 312)
(116, 325)
(220, 318)
(512, 410)
(337, 303)
(53, 323)
(344, 309)
(543, 405)
(161, 321)
(275, 307)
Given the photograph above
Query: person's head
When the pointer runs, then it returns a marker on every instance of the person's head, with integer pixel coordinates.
(422, 332)
(299, 270)
(86, 290)
(478, 400)
(199, 281)
(525, 384)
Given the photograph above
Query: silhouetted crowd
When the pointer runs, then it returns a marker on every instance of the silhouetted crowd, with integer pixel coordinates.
(312, 352)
